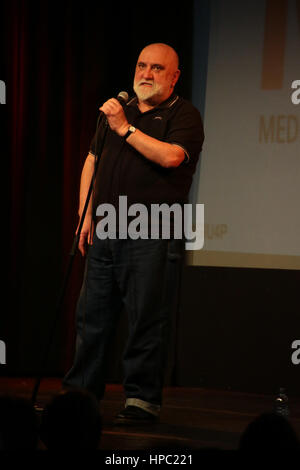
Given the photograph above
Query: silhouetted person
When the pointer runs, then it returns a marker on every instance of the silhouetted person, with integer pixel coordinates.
(72, 421)
(149, 153)
(18, 424)
(269, 432)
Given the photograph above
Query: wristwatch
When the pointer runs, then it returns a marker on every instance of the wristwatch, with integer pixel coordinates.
(130, 131)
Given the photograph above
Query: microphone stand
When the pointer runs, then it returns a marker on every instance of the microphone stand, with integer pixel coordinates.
(70, 263)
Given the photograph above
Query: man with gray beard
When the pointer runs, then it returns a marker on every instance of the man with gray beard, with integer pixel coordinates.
(150, 153)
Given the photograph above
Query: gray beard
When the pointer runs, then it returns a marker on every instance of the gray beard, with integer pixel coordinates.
(149, 96)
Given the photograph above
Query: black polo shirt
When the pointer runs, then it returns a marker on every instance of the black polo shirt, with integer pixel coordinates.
(124, 171)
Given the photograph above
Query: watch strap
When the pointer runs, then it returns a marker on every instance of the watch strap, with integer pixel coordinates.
(130, 131)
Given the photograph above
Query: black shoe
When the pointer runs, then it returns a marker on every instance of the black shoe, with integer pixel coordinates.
(135, 415)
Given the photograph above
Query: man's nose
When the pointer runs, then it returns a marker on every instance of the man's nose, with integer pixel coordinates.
(147, 72)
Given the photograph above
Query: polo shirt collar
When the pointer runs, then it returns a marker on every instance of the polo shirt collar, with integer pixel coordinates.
(168, 103)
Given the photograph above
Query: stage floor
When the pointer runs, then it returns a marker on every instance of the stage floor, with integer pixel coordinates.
(192, 417)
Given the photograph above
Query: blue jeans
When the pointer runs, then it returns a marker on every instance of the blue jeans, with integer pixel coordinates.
(143, 276)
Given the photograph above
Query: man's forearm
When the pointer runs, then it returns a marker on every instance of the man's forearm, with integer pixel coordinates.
(85, 181)
(162, 153)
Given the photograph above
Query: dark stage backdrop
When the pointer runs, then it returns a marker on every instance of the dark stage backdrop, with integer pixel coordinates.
(60, 61)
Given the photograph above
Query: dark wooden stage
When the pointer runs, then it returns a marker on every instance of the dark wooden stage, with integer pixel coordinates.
(191, 417)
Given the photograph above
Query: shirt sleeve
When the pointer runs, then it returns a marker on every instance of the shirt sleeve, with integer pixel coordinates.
(186, 131)
(97, 139)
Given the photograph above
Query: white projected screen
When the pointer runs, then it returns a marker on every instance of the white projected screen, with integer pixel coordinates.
(249, 175)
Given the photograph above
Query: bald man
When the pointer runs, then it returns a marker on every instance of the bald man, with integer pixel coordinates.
(150, 152)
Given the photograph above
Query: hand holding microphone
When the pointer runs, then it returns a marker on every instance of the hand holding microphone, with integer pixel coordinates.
(115, 115)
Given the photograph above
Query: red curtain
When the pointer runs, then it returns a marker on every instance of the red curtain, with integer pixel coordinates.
(53, 90)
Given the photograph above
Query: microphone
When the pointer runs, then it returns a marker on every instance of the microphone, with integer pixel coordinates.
(123, 97)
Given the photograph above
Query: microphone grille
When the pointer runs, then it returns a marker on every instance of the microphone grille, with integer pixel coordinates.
(124, 96)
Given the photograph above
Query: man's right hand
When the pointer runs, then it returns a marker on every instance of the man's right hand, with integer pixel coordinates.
(86, 234)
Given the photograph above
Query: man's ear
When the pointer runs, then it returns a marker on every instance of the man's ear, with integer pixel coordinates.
(175, 78)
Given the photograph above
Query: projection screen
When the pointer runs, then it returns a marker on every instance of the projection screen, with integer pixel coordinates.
(249, 175)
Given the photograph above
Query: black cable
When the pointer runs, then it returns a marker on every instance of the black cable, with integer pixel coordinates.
(101, 116)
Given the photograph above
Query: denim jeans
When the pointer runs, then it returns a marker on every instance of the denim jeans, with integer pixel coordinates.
(142, 276)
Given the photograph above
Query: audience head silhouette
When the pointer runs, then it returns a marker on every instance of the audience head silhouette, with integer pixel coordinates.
(18, 424)
(72, 420)
(269, 432)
